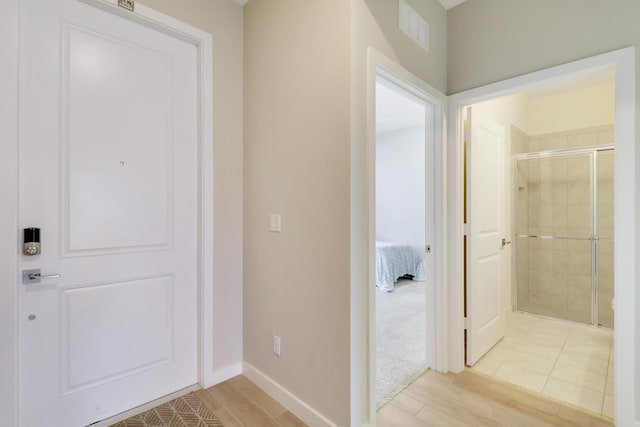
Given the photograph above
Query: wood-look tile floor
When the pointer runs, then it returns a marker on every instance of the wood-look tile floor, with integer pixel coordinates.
(240, 403)
(475, 400)
(466, 399)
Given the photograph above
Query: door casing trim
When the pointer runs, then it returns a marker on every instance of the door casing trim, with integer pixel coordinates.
(9, 234)
(362, 295)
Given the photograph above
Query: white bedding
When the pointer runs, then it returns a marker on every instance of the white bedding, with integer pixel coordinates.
(394, 260)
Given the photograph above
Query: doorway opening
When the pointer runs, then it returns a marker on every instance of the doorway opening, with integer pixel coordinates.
(556, 292)
(403, 239)
(559, 183)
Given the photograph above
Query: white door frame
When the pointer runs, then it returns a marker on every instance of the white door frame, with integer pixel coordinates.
(364, 354)
(627, 338)
(9, 210)
(9, 232)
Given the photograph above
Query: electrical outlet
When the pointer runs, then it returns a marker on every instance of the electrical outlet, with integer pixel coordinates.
(276, 345)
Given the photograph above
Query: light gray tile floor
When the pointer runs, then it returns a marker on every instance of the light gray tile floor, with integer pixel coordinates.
(567, 361)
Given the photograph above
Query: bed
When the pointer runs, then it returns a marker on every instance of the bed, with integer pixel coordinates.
(394, 260)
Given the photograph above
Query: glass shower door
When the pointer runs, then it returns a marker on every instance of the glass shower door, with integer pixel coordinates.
(554, 223)
(604, 227)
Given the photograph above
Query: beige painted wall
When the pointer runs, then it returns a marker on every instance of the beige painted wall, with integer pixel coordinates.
(223, 19)
(374, 24)
(376, 21)
(298, 149)
(296, 154)
(577, 109)
(491, 40)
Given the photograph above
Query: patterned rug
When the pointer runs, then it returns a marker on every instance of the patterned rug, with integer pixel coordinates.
(185, 411)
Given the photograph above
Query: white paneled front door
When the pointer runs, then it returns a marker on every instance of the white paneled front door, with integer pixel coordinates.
(109, 173)
(485, 230)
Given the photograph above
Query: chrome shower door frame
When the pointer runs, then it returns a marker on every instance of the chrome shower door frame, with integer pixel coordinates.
(594, 238)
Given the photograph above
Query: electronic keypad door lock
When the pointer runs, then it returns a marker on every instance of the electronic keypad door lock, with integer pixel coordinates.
(31, 241)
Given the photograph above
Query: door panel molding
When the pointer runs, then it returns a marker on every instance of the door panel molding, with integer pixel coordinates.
(147, 223)
(88, 339)
(203, 41)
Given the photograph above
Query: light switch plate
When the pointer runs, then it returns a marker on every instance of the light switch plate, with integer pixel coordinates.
(275, 223)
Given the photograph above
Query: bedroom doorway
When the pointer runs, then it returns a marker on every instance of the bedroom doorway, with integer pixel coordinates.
(403, 193)
(363, 285)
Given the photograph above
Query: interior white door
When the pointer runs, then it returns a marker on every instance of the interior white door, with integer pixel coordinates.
(109, 173)
(485, 230)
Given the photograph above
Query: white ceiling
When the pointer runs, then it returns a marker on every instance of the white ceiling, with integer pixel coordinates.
(448, 4)
(395, 111)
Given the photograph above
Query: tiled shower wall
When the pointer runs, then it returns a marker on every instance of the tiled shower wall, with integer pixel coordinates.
(598, 135)
(553, 199)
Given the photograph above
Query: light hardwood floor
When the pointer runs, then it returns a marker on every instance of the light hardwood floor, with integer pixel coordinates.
(449, 400)
(471, 399)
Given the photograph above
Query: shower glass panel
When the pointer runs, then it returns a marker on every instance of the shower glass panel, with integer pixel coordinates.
(554, 223)
(604, 226)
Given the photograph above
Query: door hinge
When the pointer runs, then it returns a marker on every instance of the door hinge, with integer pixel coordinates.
(127, 4)
(465, 229)
(467, 323)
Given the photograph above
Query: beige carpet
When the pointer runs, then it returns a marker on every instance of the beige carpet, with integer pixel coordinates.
(401, 355)
(185, 411)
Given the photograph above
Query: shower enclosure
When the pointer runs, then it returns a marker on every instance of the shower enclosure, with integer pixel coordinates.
(563, 207)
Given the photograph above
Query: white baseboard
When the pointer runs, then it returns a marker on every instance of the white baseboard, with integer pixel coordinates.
(287, 399)
(221, 375)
